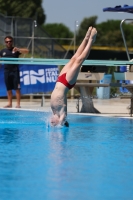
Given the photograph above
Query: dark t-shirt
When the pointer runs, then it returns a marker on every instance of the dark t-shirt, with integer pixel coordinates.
(7, 53)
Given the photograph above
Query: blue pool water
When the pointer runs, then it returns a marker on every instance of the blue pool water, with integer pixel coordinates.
(90, 160)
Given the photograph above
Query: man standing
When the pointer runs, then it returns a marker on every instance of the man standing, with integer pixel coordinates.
(11, 71)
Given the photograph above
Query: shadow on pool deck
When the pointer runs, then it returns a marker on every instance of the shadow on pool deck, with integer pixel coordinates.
(112, 107)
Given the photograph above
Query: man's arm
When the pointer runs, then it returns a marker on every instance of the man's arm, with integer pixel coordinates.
(21, 50)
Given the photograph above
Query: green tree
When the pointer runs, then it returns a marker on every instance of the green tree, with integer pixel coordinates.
(21, 8)
(56, 30)
(109, 33)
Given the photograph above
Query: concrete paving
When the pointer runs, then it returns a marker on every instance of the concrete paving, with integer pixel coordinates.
(111, 107)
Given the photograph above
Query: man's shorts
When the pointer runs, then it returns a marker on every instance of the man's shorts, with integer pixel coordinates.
(12, 80)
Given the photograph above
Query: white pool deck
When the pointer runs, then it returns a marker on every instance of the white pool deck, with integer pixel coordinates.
(110, 107)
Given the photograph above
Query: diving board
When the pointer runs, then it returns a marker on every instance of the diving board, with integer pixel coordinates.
(119, 8)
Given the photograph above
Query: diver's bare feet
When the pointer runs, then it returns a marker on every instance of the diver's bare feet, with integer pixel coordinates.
(88, 33)
(93, 34)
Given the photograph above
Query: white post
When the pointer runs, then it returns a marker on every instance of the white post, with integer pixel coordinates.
(33, 35)
(34, 24)
(75, 31)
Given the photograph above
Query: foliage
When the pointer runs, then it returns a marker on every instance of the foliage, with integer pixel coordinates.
(21, 8)
(59, 31)
(109, 33)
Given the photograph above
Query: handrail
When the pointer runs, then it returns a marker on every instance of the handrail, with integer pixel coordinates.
(123, 36)
(38, 61)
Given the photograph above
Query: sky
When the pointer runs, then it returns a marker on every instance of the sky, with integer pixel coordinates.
(70, 11)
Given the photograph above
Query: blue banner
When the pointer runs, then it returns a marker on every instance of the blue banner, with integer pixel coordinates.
(33, 79)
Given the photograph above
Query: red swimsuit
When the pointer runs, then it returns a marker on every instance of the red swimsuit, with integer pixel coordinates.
(62, 79)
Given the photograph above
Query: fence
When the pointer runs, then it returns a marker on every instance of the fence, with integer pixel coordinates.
(26, 33)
